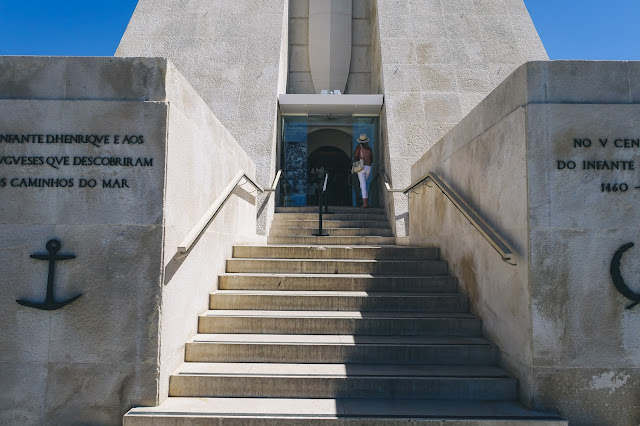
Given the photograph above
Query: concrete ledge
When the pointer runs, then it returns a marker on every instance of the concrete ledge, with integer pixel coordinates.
(572, 82)
(82, 78)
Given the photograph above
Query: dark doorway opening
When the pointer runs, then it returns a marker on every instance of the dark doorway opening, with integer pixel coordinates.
(338, 164)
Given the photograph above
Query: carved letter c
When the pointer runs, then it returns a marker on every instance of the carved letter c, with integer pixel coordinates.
(618, 281)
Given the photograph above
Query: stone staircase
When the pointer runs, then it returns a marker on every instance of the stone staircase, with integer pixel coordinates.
(341, 330)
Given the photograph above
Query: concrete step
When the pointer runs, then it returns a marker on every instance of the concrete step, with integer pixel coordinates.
(313, 217)
(336, 252)
(331, 240)
(337, 301)
(340, 349)
(339, 322)
(269, 380)
(338, 266)
(334, 209)
(342, 282)
(328, 222)
(335, 232)
(339, 412)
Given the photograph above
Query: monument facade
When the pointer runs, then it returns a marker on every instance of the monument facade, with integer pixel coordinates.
(126, 182)
(432, 60)
(103, 155)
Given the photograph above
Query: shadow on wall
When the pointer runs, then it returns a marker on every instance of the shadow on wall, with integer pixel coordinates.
(404, 218)
(179, 258)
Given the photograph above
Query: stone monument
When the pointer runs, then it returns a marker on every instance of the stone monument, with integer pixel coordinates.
(108, 164)
(550, 159)
(98, 161)
(432, 60)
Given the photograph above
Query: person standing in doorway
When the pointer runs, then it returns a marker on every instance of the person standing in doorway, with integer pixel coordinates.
(364, 152)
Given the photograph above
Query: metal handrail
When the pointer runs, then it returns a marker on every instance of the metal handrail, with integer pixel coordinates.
(213, 210)
(323, 198)
(385, 181)
(474, 218)
(274, 185)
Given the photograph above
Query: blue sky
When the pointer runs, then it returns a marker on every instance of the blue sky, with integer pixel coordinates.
(63, 27)
(588, 29)
(570, 29)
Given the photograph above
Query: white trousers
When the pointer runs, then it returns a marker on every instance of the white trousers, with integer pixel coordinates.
(363, 177)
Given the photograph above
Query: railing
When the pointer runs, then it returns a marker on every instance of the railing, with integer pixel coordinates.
(385, 180)
(323, 199)
(215, 208)
(474, 218)
(274, 185)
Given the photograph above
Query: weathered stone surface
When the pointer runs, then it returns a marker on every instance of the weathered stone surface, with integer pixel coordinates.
(405, 77)
(469, 46)
(359, 83)
(433, 51)
(137, 201)
(299, 61)
(478, 170)
(588, 82)
(217, 43)
(556, 316)
(115, 346)
(361, 28)
(582, 331)
(610, 395)
(116, 234)
(84, 393)
(634, 82)
(23, 401)
(552, 138)
(30, 77)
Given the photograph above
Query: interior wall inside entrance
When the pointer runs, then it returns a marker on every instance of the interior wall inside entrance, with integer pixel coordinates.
(329, 137)
(329, 150)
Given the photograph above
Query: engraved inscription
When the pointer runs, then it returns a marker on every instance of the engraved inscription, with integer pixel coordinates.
(605, 154)
(33, 161)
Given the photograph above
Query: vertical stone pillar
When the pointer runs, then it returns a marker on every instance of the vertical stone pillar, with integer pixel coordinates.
(435, 61)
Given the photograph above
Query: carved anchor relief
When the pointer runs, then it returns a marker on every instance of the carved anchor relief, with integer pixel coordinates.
(618, 281)
(49, 304)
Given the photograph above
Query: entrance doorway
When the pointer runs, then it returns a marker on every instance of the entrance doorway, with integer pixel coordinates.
(338, 165)
(313, 146)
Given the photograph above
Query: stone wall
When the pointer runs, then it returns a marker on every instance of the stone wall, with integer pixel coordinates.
(561, 326)
(202, 158)
(437, 61)
(114, 347)
(359, 81)
(231, 52)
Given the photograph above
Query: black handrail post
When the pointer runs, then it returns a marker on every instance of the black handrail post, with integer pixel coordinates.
(321, 233)
(326, 197)
(326, 203)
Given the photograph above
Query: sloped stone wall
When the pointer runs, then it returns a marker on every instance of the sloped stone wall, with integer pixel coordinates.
(117, 158)
(437, 60)
(530, 158)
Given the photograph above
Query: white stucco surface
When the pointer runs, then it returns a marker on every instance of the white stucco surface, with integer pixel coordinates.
(231, 53)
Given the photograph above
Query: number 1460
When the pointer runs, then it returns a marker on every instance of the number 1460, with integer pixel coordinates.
(614, 187)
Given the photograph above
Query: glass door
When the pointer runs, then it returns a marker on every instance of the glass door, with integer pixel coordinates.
(313, 145)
